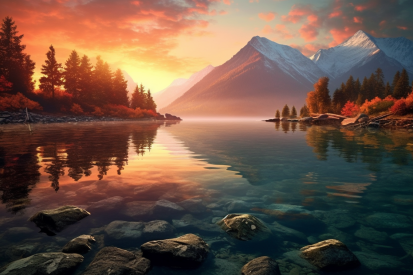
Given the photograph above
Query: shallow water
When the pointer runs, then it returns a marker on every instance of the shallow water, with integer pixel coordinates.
(322, 182)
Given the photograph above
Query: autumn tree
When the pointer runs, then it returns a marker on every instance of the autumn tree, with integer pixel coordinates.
(71, 75)
(339, 99)
(102, 83)
(293, 112)
(120, 92)
(277, 114)
(350, 90)
(16, 66)
(402, 88)
(319, 100)
(52, 72)
(138, 97)
(395, 80)
(85, 80)
(285, 111)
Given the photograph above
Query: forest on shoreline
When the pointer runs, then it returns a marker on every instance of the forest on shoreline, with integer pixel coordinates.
(78, 87)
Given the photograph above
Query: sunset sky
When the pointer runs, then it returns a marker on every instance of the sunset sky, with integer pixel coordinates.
(157, 41)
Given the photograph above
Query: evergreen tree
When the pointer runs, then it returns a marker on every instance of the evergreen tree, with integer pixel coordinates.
(387, 90)
(395, 80)
(16, 67)
(350, 90)
(379, 83)
(138, 97)
(85, 80)
(52, 72)
(72, 75)
(293, 112)
(277, 114)
(102, 83)
(339, 99)
(149, 102)
(304, 112)
(402, 88)
(372, 85)
(285, 111)
(323, 95)
(365, 89)
(120, 92)
(357, 87)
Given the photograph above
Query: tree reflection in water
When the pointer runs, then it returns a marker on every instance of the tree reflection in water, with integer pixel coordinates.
(61, 147)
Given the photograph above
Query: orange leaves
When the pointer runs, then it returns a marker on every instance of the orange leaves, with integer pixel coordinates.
(377, 105)
(123, 112)
(399, 107)
(17, 102)
(350, 109)
(76, 109)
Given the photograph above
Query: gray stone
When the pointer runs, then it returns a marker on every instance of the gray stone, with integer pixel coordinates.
(405, 240)
(54, 263)
(139, 209)
(337, 218)
(80, 245)
(244, 227)
(389, 221)
(116, 261)
(55, 220)
(378, 262)
(166, 209)
(187, 251)
(261, 266)
(330, 255)
(133, 231)
(157, 229)
(285, 232)
(189, 224)
(371, 234)
(238, 206)
(294, 256)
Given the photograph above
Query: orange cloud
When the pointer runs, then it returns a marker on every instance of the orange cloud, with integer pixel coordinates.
(369, 5)
(341, 34)
(335, 14)
(357, 19)
(227, 2)
(267, 29)
(297, 12)
(269, 16)
(308, 49)
(402, 28)
(222, 12)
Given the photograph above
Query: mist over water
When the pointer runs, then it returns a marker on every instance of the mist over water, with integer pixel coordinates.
(291, 174)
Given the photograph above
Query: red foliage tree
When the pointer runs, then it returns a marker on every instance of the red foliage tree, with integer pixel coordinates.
(350, 109)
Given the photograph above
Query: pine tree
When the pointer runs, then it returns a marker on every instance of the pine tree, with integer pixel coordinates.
(387, 90)
(323, 95)
(16, 66)
(395, 80)
(365, 88)
(52, 72)
(102, 83)
(285, 111)
(379, 83)
(357, 87)
(277, 114)
(85, 80)
(120, 92)
(372, 86)
(339, 99)
(304, 111)
(138, 97)
(293, 112)
(402, 88)
(71, 75)
(350, 90)
(149, 102)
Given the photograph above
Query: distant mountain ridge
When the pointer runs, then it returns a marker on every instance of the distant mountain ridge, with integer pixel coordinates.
(265, 75)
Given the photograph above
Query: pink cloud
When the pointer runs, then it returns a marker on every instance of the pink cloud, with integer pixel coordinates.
(267, 29)
(369, 5)
(227, 2)
(357, 19)
(402, 28)
(335, 14)
(341, 34)
(222, 12)
(297, 13)
(282, 31)
(308, 32)
(269, 16)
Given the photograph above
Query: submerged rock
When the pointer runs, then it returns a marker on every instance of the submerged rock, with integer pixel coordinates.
(187, 251)
(337, 218)
(190, 224)
(55, 220)
(285, 232)
(330, 255)
(106, 204)
(165, 208)
(389, 221)
(378, 262)
(371, 234)
(113, 260)
(81, 245)
(194, 206)
(132, 231)
(261, 266)
(54, 263)
(244, 227)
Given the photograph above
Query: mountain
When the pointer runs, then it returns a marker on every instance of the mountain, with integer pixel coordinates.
(362, 54)
(260, 78)
(178, 87)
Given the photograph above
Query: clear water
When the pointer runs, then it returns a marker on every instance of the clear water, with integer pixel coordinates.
(322, 182)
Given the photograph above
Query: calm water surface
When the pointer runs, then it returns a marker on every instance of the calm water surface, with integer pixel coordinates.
(306, 183)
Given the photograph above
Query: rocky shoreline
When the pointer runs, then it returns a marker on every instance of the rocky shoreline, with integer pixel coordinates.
(21, 117)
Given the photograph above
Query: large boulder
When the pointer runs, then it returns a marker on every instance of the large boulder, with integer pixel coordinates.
(187, 251)
(55, 220)
(81, 245)
(54, 263)
(330, 255)
(116, 261)
(261, 266)
(244, 227)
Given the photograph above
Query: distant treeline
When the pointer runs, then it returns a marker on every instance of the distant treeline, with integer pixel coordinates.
(77, 87)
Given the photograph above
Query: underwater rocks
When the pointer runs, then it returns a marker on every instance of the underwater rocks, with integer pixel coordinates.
(261, 266)
(113, 260)
(132, 231)
(55, 220)
(190, 224)
(244, 227)
(187, 251)
(338, 218)
(389, 221)
(378, 262)
(370, 234)
(286, 233)
(330, 255)
(80, 245)
(194, 206)
(54, 263)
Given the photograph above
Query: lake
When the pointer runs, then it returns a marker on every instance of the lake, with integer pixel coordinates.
(306, 183)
